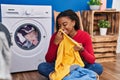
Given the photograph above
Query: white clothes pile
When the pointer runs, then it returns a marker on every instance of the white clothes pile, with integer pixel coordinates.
(5, 58)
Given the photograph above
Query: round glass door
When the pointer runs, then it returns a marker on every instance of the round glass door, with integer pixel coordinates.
(27, 36)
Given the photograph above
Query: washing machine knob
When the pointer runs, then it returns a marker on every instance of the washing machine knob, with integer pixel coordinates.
(28, 12)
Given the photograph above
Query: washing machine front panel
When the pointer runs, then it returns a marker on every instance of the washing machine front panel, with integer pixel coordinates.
(18, 18)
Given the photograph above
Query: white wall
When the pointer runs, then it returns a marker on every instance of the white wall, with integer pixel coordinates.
(116, 5)
(118, 45)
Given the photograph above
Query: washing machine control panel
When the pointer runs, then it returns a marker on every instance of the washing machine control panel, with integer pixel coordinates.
(26, 11)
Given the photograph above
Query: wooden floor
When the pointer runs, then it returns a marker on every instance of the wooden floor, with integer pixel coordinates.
(111, 72)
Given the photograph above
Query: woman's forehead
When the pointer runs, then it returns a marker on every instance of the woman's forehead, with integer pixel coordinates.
(64, 18)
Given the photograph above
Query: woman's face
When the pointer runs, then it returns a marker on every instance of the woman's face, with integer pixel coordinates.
(66, 24)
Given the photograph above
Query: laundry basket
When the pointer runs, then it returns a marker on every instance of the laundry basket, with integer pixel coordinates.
(97, 76)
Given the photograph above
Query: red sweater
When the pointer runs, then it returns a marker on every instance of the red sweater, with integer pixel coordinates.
(81, 37)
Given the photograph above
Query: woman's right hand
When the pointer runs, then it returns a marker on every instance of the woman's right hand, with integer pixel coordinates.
(58, 37)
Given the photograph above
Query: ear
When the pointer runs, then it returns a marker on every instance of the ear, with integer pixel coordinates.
(73, 22)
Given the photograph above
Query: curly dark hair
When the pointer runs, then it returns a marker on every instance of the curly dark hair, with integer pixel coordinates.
(70, 14)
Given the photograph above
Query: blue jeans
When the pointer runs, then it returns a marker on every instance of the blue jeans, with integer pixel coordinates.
(45, 68)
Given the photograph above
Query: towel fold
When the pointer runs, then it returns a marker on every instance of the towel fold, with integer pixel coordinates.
(5, 58)
(66, 56)
(81, 74)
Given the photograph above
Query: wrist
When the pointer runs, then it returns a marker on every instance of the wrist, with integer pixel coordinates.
(82, 49)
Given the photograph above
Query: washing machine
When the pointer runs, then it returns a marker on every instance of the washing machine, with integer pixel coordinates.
(30, 30)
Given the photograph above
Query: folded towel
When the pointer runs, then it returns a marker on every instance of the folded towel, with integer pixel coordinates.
(66, 56)
(5, 58)
(81, 74)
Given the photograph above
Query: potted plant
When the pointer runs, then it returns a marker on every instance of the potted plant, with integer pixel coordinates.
(94, 4)
(103, 25)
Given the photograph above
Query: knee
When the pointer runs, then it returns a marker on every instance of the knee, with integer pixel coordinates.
(41, 67)
(99, 68)
(45, 68)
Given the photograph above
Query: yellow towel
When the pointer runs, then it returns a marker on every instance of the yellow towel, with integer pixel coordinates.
(66, 56)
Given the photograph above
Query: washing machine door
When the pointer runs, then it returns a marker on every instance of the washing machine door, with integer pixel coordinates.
(28, 38)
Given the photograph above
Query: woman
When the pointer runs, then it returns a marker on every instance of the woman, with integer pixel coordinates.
(68, 21)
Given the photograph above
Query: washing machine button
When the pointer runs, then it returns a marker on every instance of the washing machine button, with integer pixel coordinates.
(28, 12)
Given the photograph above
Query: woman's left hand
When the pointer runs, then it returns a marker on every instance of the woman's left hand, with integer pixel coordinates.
(79, 47)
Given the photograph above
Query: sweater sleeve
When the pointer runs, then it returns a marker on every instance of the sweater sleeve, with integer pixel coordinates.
(52, 50)
(88, 53)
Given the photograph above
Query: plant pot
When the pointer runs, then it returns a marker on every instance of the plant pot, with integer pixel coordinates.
(103, 31)
(94, 7)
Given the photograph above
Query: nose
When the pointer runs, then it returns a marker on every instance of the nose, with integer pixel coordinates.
(63, 27)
